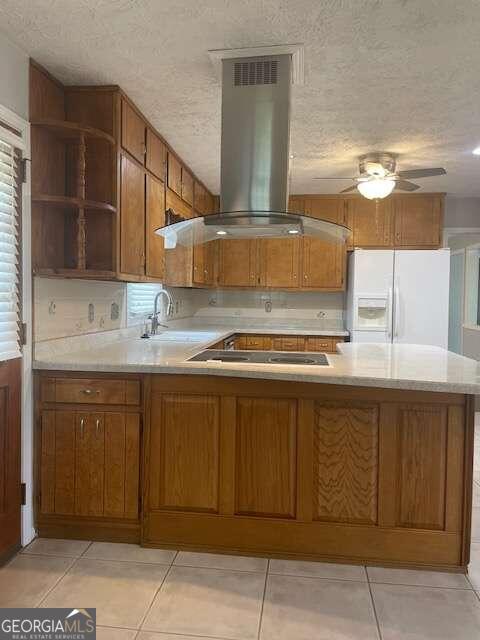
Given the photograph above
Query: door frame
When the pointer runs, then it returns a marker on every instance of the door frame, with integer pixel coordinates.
(17, 132)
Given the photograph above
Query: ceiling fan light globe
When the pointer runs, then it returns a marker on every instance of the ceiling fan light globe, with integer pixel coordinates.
(376, 189)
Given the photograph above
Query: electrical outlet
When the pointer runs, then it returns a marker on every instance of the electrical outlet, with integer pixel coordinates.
(52, 307)
(114, 311)
(91, 312)
(321, 314)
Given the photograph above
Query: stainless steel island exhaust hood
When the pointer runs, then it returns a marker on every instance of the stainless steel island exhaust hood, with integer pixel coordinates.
(254, 162)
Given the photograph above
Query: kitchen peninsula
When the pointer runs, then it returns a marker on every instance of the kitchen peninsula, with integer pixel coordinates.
(367, 459)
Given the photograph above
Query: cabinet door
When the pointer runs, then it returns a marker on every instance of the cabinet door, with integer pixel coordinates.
(184, 452)
(174, 179)
(280, 262)
(296, 204)
(371, 222)
(199, 198)
(57, 463)
(324, 208)
(238, 263)
(204, 263)
(89, 463)
(418, 221)
(155, 218)
(318, 343)
(156, 155)
(132, 241)
(210, 206)
(323, 264)
(133, 132)
(187, 186)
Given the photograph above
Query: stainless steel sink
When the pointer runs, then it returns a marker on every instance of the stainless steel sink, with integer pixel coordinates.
(262, 357)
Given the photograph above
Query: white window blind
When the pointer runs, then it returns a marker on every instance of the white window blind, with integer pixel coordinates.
(10, 204)
(140, 299)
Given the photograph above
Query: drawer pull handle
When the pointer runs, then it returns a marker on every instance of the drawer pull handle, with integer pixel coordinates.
(97, 426)
(88, 392)
(82, 427)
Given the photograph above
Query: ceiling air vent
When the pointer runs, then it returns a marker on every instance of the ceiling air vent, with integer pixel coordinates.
(254, 73)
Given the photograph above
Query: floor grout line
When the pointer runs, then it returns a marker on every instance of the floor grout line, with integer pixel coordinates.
(372, 600)
(42, 600)
(263, 599)
(142, 621)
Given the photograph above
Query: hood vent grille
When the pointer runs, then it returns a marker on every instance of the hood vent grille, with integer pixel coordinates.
(255, 72)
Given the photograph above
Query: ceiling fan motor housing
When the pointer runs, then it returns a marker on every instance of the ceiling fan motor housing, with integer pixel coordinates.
(377, 165)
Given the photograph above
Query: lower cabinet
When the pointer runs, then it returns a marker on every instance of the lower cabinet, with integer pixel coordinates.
(88, 446)
(321, 471)
(90, 463)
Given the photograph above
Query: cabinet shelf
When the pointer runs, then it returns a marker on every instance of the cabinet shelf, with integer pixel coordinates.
(72, 130)
(87, 274)
(70, 202)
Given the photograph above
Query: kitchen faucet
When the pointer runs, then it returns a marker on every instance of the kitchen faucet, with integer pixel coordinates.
(156, 311)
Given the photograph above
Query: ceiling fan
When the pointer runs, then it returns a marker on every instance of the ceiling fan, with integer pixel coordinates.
(378, 176)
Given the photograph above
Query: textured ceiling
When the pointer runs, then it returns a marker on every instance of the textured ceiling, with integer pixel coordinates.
(395, 75)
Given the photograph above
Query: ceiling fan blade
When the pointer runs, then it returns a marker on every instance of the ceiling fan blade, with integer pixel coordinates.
(421, 173)
(330, 178)
(352, 188)
(405, 185)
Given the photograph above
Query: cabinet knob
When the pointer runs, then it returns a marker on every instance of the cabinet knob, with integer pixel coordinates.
(97, 424)
(89, 392)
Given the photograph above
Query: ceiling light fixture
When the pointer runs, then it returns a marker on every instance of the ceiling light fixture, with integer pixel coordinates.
(376, 189)
(476, 151)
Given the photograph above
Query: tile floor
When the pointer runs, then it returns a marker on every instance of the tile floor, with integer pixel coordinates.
(150, 594)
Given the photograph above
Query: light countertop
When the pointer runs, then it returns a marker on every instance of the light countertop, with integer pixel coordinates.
(416, 367)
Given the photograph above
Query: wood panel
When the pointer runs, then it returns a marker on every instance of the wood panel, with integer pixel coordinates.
(185, 449)
(345, 456)
(155, 218)
(132, 245)
(237, 263)
(89, 464)
(422, 448)
(371, 222)
(280, 262)
(133, 132)
(199, 198)
(156, 157)
(46, 95)
(65, 462)
(10, 446)
(323, 265)
(418, 221)
(174, 174)
(187, 186)
(330, 208)
(265, 457)
(92, 391)
(122, 457)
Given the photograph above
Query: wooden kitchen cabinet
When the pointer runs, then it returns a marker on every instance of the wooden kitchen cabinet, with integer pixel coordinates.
(205, 264)
(174, 174)
(418, 221)
(187, 186)
(279, 262)
(323, 265)
(331, 209)
(156, 157)
(155, 218)
(89, 463)
(272, 342)
(132, 230)
(133, 132)
(371, 222)
(238, 263)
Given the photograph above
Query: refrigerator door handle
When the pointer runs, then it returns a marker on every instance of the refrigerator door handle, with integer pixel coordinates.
(390, 313)
(397, 312)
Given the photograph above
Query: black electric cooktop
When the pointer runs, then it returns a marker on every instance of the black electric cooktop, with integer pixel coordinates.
(261, 357)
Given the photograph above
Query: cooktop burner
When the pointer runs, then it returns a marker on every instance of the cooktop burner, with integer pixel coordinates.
(262, 357)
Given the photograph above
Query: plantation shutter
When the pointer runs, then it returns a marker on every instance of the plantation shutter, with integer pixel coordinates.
(10, 203)
(140, 298)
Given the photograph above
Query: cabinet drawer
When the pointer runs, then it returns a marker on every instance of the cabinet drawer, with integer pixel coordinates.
(91, 391)
(289, 343)
(254, 343)
(320, 344)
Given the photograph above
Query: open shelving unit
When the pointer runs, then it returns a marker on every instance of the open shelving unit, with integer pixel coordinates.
(74, 181)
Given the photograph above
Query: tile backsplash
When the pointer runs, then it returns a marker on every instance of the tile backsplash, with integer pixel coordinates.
(64, 308)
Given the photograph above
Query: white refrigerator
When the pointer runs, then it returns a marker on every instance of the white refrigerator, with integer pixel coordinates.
(399, 296)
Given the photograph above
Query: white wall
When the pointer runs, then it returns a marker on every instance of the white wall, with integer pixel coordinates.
(462, 212)
(14, 77)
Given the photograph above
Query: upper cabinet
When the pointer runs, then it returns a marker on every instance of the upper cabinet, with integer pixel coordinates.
(133, 132)
(328, 208)
(174, 174)
(371, 222)
(418, 221)
(156, 161)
